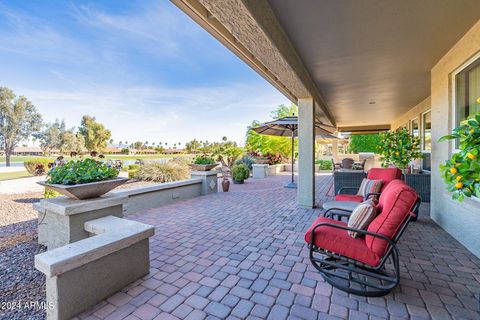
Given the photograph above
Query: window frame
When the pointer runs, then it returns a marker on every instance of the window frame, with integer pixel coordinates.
(453, 92)
(422, 130)
(410, 122)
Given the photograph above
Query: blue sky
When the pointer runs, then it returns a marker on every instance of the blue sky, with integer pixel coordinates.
(143, 68)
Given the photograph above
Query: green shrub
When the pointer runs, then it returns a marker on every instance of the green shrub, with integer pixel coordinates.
(163, 172)
(461, 172)
(81, 171)
(32, 163)
(240, 172)
(246, 160)
(133, 167)
(132, 170)
(49, 193)
(324, 164)
(364, 142)
(204, 159)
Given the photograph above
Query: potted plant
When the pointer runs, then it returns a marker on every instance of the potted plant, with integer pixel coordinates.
(398, 148)
(203, 163)
(240, 173)
(83, 179)
(461, 172)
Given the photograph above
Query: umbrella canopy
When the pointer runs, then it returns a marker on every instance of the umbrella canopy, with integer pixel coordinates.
(288, 127)
(284, 127)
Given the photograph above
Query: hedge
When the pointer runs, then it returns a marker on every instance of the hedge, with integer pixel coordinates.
(364, 142)
(324, 164)
(32, 163)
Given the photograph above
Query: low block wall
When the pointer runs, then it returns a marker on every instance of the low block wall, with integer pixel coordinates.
(142, 198)
(83, 273)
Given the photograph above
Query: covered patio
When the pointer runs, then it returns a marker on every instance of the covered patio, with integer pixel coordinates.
(241, 255)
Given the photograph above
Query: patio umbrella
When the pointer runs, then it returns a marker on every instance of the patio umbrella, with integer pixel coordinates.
(288, 127)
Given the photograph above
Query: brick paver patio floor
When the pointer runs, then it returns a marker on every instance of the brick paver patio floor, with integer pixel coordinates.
(241, 255)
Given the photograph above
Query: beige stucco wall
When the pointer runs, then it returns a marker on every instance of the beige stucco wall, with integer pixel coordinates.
(462, 221)
(413, 113)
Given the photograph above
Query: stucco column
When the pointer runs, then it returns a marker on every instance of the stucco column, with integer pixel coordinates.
(306, 153)
(335, 150)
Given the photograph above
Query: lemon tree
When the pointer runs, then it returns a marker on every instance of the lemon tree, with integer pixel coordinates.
(461, 172)
(398, 148)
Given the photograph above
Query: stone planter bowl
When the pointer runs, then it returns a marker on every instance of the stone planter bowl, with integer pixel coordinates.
(85, 190)
(202, 167)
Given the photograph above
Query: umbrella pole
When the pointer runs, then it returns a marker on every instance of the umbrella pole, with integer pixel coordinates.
(293, 154)
(292, 184)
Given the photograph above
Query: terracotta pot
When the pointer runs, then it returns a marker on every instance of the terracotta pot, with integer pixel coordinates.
(225, 185)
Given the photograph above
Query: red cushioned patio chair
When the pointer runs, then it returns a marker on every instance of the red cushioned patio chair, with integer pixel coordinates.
(359, 265)
(384, 174)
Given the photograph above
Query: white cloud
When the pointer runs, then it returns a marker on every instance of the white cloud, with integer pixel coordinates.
(163, 114)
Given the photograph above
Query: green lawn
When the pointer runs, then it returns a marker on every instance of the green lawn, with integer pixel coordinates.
(107, 156)
(13, 175)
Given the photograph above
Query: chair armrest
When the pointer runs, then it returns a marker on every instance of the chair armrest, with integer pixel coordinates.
(346, 188)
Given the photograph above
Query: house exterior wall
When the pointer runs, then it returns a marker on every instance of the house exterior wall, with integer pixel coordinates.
(415, 112)
(461, 220)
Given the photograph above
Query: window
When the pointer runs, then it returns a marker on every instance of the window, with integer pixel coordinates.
(467, 92)
(415, 127)
(427, 131)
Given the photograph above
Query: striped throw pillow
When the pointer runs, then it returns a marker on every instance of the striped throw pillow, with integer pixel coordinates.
(361, 216)
(369, 186)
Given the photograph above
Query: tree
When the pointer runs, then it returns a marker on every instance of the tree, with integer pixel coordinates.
(94, 133)
(271, 145)
(72, 141)
(18, 120)
(284, 111)
(138, 145)
(193, 145)
(51, 136)
(111, 141)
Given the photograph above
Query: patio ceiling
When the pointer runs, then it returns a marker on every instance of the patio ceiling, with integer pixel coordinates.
(371, 59)
(365, 62)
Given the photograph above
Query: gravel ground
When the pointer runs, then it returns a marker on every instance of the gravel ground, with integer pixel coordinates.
(20, 282)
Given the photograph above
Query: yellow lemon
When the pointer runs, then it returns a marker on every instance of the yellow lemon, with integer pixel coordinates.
(478, 100)
(472, 131)
(397, 153)
(471, 156)
(459, 177)
(453, 170)
(458, 185)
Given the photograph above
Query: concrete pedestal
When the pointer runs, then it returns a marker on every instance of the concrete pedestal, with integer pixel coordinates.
(259, 171)
(210, 181)
(61, 220)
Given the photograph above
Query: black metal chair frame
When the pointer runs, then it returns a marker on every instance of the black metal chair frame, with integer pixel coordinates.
(353, 276)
